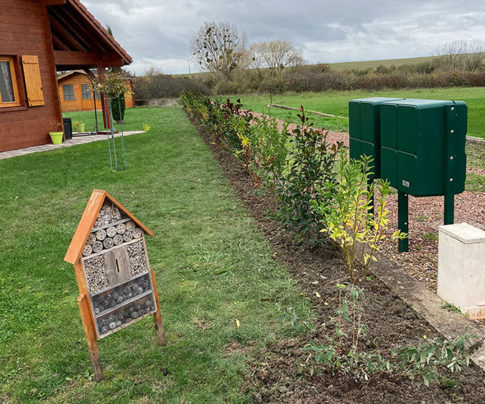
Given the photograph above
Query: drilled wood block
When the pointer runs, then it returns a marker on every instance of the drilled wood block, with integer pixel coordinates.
(100, 235)
(121, 228)
(88, 250)
(108, 242)
(118, 239)
(111, 231)
(127, 236)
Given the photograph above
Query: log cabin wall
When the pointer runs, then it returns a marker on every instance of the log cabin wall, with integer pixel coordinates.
(25, 31)
(77, 80)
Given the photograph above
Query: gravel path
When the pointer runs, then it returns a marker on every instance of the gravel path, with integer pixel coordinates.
(332, 137)
(425, 217)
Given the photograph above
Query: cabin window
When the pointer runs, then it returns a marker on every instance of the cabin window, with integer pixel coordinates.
(68, 92)
(86, 91)
(9, 94)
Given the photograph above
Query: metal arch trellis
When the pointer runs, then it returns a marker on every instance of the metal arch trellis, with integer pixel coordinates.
(110, 137)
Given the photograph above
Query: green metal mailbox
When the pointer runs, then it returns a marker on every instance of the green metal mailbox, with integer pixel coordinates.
(417, 145)
(364, 126)
(415, 137)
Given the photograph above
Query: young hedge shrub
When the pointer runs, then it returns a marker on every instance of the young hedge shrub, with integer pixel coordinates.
(347, 214)
(310, 166)
(270, 150)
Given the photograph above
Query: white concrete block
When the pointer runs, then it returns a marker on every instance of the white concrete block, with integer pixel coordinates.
(461, 268)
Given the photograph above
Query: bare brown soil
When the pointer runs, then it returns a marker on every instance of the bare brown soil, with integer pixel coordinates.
(281, 374)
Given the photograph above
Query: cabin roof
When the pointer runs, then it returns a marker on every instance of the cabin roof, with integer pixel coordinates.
(79, 40)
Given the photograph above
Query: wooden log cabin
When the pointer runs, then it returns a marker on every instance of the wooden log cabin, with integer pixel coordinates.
(76, 92)
(39, 38)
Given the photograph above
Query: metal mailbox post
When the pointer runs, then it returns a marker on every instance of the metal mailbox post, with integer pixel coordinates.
(421, 150)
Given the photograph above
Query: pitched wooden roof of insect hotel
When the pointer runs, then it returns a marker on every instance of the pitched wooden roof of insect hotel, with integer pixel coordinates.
(88, 222)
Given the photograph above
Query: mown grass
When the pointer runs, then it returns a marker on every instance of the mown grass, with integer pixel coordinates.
(212, 265)
(336, 103)
(134, 119)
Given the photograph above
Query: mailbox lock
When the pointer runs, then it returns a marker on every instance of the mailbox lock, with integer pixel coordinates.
(451, 157)
(451, 179)
(452, 131)
(452, 108)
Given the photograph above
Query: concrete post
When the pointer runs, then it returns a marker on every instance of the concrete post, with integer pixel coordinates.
(461, 268)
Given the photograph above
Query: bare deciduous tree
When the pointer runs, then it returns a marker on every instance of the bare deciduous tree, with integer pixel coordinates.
(270, 58)
(220, 48)
(277, 55)
(462, 55)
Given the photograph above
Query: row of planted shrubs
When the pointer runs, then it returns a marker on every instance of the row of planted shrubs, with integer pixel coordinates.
(316, 190)
(323, 196)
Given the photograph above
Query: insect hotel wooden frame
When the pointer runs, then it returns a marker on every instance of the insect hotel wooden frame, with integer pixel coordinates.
(116, 285)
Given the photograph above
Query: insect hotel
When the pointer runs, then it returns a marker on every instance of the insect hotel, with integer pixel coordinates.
(116, 285)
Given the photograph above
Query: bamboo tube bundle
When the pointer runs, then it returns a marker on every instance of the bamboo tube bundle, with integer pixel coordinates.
(95, 274)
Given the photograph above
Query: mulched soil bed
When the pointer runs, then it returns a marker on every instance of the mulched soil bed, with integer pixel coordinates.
(281, 374)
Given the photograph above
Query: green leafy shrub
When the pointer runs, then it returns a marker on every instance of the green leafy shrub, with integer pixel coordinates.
(346, 208)
(270, 148)
(310, 166)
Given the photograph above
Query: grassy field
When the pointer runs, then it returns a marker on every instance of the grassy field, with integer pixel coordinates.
(358, 65)
(212, 266)
(365, 64)
(336, 103)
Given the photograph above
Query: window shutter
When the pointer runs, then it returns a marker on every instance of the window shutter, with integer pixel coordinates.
(33, 82)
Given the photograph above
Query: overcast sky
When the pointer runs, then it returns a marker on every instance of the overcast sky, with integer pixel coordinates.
(157, 33)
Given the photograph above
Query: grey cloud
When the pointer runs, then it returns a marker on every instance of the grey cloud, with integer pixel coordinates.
(159, 32)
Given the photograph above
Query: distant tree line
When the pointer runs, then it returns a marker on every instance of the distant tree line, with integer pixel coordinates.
(274, 67)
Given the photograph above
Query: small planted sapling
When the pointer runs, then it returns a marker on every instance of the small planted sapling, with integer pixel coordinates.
(342, 353)
(348, 217)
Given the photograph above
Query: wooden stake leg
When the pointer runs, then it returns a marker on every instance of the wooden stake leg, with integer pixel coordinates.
(89, 331)
(94, 355)
(157, 316)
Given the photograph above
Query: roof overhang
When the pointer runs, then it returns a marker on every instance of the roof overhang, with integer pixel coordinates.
(79, 40)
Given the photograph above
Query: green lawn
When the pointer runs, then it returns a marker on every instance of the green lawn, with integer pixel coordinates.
(134, 119)
(336, 103)
(212, 265)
